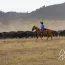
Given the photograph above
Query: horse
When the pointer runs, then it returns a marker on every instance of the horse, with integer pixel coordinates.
(47, 32)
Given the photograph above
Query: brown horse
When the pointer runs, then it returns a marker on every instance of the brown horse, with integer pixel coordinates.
(46, 32)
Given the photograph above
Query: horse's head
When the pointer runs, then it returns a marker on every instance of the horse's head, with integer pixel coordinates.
(33, 28)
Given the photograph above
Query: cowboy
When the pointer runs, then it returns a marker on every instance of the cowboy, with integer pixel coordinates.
(42, 27)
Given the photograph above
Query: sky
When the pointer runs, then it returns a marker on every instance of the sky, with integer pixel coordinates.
(25, 5)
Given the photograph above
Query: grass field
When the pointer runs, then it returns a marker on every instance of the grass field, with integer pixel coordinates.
(31, 52)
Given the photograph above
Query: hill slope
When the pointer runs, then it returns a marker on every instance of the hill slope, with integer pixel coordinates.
(54, 12)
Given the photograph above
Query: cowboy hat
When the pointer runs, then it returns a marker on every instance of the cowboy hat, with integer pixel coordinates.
(41, 22)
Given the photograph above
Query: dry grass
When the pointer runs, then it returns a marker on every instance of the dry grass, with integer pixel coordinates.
(31, 52)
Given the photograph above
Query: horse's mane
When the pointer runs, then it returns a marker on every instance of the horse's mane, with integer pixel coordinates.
(37, 27)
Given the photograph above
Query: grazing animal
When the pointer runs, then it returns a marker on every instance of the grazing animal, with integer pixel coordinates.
(46, 32)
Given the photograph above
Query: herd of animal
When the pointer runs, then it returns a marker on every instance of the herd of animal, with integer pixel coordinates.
(26, 34)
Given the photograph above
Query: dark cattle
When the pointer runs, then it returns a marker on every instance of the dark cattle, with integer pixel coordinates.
(20, 34)
(26, 34)
(30, 34)
(1, 35)
(62, 33)
(12, 34)
(5, 35)
(55, 33)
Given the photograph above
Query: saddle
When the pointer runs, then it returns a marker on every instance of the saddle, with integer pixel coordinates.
(45, 29)
(42, 30)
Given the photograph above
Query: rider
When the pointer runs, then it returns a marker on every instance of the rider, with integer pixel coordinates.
(42, 27)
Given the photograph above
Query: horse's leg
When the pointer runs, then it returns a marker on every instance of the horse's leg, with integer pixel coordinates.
(41, 37)
(37, 37)
(51, 37)
(47, 37)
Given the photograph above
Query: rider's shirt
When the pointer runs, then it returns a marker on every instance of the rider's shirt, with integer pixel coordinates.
(42, 26)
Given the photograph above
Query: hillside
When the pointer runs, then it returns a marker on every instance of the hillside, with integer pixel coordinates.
(52, 12)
